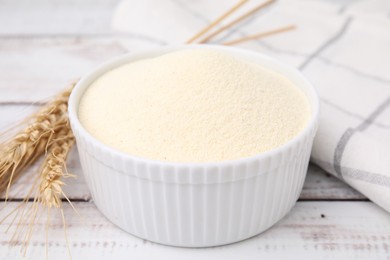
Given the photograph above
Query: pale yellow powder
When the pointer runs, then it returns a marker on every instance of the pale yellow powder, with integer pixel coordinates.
(193, 106)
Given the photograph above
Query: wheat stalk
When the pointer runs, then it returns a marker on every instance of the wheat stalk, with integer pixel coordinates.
(217, 21)
(237, 20)
(260, 35)
(48, 132)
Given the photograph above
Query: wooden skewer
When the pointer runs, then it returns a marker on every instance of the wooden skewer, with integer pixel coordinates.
(218, 20)
(261, 35)
(237, 20)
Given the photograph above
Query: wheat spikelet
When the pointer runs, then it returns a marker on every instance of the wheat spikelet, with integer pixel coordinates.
(54, 169)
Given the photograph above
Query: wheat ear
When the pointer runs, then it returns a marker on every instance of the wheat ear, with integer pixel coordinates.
(21, 150)
(48, 132)
(48, 186)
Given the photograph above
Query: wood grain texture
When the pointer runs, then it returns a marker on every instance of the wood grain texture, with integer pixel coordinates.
(331, 230)
(45, 44)
(34, 69)
(320, 185)
(53, 17)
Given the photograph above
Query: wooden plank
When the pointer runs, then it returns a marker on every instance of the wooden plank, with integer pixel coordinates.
(24, 17)
(36, 68)
(332, 230)
(320, 185)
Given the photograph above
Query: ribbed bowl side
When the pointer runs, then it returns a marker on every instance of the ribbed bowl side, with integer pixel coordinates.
(200, 211)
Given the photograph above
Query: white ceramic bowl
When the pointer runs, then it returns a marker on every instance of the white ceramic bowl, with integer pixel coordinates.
(195, 204)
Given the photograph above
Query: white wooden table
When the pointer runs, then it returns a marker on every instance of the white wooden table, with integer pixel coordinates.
(44, 45)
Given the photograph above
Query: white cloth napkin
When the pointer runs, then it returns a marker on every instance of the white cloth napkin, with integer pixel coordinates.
(342, 46)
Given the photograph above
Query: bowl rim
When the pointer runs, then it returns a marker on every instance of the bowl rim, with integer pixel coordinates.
(86, 81)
